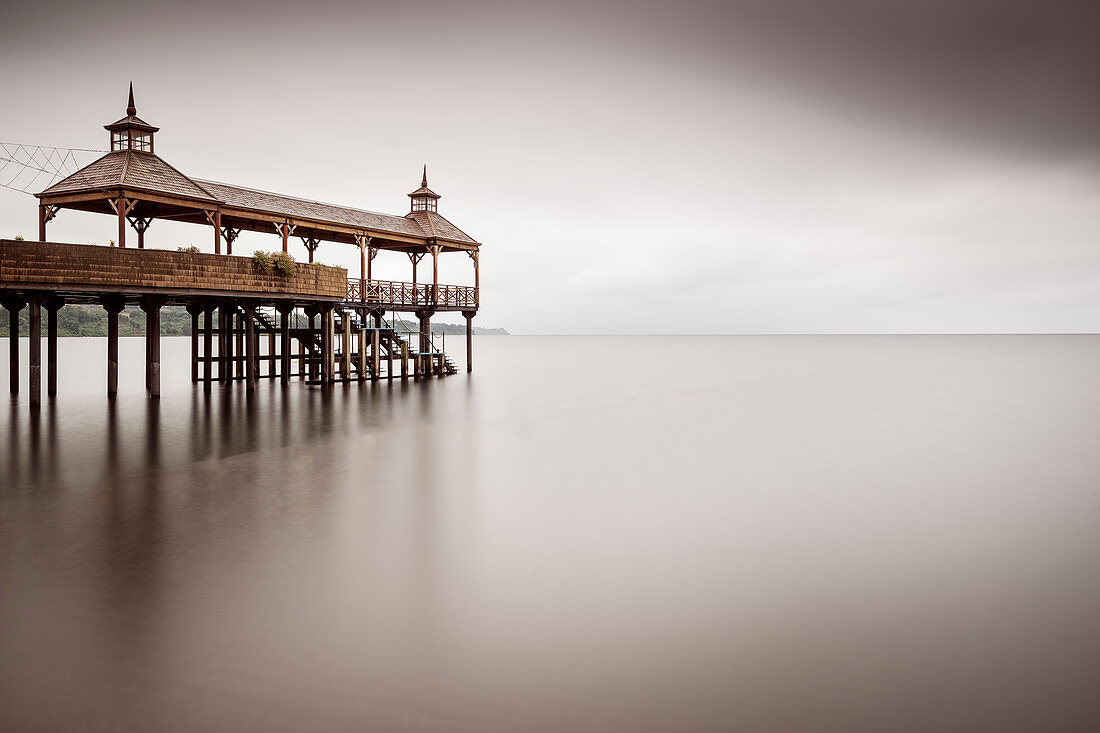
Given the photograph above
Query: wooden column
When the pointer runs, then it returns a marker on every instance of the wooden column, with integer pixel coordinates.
(34, 379)
(42, 222)
(415, 258)
(250, 343)
(52, 306)
(120, 207)
(284, 345)
(140, 224)
(229, 234)
(152, 304)
(311, 244)
(13, 305)
(435, 274)
(218, 233)
(475, 256)
(207, 346)
(404, 360)
(113, 305)
(469, 339)
(194, 309)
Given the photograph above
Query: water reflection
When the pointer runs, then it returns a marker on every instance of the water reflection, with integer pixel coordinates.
(826, 534)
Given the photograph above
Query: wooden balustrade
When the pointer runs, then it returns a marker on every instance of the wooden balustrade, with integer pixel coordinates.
(390, 293)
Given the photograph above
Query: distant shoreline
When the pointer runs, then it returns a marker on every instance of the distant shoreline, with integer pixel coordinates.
(91, 321)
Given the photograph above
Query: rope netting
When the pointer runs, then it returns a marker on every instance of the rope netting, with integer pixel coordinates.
(33, 168)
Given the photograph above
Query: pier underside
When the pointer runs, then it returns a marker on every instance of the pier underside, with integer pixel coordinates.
(246, 324)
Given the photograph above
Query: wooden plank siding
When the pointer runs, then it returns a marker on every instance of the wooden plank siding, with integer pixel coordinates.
(81, 267)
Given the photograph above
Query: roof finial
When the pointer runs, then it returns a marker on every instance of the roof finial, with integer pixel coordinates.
(424, 180)
(131, 110)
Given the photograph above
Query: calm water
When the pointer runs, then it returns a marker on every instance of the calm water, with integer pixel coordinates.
(590, 534)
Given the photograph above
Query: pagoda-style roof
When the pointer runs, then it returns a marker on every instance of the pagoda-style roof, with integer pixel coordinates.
(132, 170)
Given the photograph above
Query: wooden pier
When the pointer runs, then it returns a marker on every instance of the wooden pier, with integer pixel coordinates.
(318, 324)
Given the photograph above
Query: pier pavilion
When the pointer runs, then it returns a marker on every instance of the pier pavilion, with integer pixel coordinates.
(320, 325)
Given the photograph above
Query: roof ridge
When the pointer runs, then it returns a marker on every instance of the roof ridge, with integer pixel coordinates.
(125, 168)
(297, 198)
(431, 224)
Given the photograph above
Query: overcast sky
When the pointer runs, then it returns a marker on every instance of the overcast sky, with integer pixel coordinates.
(810, 166)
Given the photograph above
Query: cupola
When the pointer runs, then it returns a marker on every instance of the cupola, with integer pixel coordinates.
(131, 132)
(423, 198)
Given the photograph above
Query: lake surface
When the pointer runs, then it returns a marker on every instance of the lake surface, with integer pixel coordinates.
(587, 534)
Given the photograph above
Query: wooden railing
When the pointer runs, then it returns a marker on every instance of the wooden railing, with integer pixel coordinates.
(393, 293)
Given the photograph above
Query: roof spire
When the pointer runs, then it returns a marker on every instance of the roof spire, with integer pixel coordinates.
(131, 110)
(424, 180)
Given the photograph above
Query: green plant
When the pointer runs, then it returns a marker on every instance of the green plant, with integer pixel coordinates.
(263, 260)
(191, 248)
(111, 243)
(284, 264)
(18, 237)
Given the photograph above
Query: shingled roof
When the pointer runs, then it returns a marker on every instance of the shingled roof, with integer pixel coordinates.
(130, 169)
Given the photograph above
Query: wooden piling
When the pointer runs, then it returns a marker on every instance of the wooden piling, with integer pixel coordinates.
(152, 304)
(250, 343)
(238, 343)
(375, 344)
(194, 309)
(362, 354)
(207, 347)
(52, 306)
(345, 343)
(13, 305)
(469, 339)
(34, 376)
(284, 346)
(223, 343)
(113, 306)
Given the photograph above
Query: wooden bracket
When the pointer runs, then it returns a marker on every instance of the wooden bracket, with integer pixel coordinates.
(49, 211)
(311, 243)
(230, 234)
(140, 224)
(127, 204)
(416, 257)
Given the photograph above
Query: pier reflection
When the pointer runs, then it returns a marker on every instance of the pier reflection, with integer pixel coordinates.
(145, 537)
